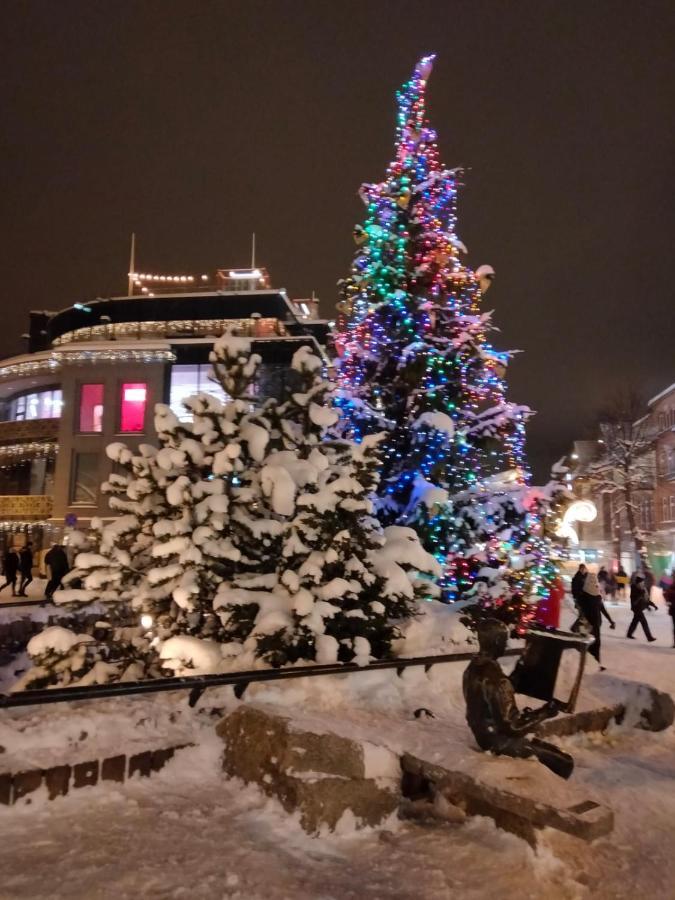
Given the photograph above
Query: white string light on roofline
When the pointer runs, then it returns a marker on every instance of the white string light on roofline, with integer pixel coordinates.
(139, 278)
(60, 358)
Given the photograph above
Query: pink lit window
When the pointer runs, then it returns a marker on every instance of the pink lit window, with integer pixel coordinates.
(91, 407)
(132, 407)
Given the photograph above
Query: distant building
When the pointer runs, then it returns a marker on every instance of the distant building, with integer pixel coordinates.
(607, 539)
(93, 373)
(662, 505)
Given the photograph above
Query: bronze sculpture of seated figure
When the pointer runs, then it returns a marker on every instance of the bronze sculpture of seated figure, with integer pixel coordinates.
(491, 712)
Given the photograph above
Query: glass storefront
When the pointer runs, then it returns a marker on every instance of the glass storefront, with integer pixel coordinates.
(188, 380)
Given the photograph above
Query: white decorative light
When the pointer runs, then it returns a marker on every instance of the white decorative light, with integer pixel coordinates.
(245, 273)
(579, 511)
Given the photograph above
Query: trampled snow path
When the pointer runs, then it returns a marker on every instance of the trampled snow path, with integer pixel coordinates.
(187, 833)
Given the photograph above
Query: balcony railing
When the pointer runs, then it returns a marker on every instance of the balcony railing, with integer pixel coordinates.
(29, 430)
(26, 506)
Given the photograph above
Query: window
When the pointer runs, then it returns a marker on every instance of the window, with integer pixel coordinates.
(670, 462)
(672, 508)
(36, 405)
(84, 487)
(132, 408)
(91, 408)
(186, 381)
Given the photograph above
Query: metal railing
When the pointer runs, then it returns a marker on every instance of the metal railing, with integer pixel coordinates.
(197, 684)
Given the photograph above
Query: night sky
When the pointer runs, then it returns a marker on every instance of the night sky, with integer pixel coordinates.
(195, 123)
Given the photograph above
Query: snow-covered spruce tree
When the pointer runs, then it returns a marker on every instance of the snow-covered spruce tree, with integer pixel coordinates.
(415, 363)
(245, 533)
(341, 584)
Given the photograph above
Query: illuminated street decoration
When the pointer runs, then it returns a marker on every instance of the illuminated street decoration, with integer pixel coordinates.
(579, 511)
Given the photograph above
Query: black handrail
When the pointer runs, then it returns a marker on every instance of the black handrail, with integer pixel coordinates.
(197, 684)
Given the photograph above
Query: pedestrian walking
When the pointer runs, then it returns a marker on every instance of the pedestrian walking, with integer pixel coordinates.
(639, 603)
(669, 597)
(603, 578)
(25, 568)
(593, 609)
(577, 589)
(57, 561)
(621, 581)
(10, 569)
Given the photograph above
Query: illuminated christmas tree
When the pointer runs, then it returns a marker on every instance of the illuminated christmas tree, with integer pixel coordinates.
(415, 363)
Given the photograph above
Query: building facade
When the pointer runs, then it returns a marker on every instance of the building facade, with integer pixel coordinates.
(94, 372)
(607, 540)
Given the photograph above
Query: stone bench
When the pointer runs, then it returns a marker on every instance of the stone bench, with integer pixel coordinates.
(516, 802)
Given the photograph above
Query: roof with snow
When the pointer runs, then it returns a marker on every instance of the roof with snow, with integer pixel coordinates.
(663, 394)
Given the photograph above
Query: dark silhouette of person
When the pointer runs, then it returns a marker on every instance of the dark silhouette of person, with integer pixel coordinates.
(25, 567)
(669, 597)
(57, 561)
(639, 602)
(576, 589)
(10, 569)
(491, 711)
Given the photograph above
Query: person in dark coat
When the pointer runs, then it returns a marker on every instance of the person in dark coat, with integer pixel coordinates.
(26, 568)
(10, 569)
(669, 597)
(57, 561)
(639, 603)
(577, 588)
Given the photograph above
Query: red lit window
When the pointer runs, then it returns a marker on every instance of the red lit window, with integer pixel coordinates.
(91, 407)
(132, 407)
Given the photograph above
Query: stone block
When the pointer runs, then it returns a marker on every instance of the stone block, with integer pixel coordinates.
(511, 809)
(160, 758)
(85, 774)
(24, 783)
(256, 741)
(586, 720)
(141, 764)
(321, 775)
(57, 781)
(5, 789)
(114, 768)
(323, 801)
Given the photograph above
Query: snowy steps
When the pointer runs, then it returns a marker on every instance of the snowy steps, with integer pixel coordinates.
(58, 780)
(324, 767)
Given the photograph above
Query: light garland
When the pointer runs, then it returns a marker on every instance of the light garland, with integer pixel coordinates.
(59, 358)
(32, 450)
(413, 349)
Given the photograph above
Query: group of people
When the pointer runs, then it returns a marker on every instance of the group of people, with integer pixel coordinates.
(17, 566)
(589, 591)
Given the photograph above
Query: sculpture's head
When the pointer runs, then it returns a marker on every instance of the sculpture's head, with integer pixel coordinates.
(492, 638)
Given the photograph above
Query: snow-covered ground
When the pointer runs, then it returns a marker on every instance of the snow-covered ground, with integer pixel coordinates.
(187, 832)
